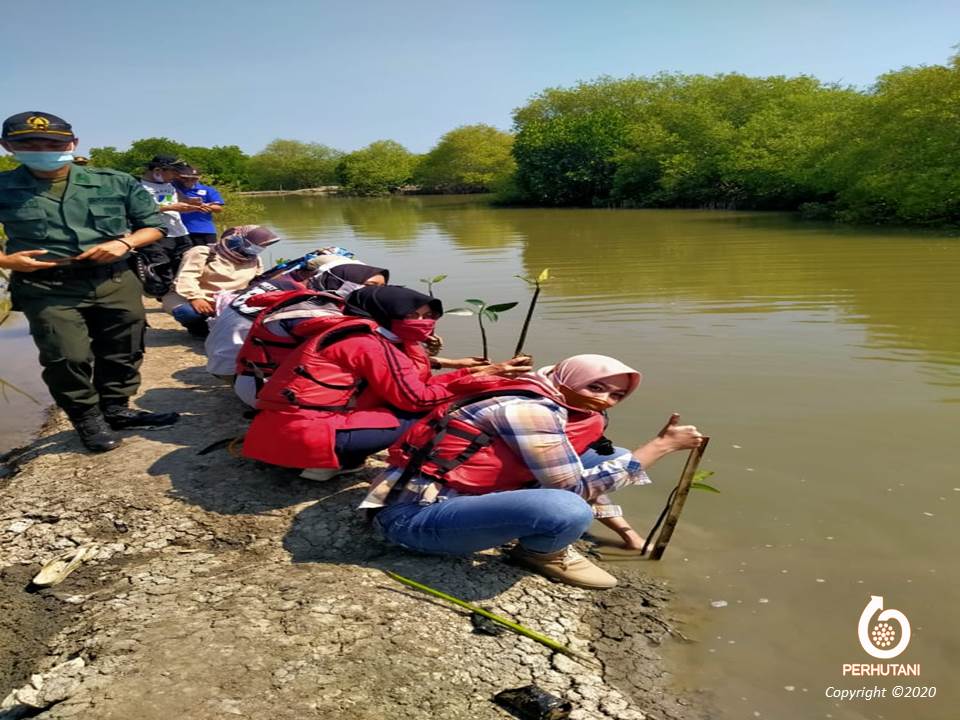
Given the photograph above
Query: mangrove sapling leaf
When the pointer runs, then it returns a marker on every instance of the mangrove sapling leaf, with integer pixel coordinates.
(699, 484)
(431, 281)
(704, 486)
(537, 283)
(482, 310)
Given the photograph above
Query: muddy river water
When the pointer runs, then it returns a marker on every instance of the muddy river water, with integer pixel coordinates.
(823, 361)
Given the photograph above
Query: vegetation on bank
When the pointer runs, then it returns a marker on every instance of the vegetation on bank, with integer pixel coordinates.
(472, 158)
(888, 154)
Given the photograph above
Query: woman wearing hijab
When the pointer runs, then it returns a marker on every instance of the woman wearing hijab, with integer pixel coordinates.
(342, 276)
(353, 387)
(236, 312)
(505, 460)
(288, 318)
(225, 266)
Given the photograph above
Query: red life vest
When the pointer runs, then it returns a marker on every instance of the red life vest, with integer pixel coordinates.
(307, 380)
(456, 453)
(262, 350)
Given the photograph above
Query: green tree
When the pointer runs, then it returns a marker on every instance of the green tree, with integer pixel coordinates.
(898, 160)
(471, 158)
(379, 168)
(224, 165)
(291, 165)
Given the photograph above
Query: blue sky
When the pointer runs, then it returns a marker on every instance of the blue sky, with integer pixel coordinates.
(245, 72)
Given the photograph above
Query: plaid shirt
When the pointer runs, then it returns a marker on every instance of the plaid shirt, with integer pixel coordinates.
(534, 429)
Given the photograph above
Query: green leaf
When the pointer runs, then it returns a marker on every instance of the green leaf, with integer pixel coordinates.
(701, 475)
(474, 301)
(544, 275)
(502, 307)
(438, 278)
(527, 280)
(461, 312)
(704, 486)
(490, 315)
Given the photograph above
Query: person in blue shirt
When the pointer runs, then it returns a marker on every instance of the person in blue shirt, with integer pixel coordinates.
(207, 201)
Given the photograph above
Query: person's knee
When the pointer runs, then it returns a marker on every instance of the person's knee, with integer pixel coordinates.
(566, 507)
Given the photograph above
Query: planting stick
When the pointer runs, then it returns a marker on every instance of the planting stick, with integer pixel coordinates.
(679, 498)
(526, 321)
(516, 627)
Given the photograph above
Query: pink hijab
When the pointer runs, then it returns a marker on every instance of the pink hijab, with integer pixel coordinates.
(579, 371)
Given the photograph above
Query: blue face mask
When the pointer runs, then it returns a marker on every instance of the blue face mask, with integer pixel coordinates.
(44, 160)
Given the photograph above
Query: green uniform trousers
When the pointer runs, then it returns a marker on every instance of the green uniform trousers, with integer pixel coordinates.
(90, 336)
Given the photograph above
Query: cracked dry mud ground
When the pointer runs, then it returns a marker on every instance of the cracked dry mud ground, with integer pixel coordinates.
(223, 589)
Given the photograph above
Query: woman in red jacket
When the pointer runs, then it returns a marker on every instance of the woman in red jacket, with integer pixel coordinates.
(355, 386)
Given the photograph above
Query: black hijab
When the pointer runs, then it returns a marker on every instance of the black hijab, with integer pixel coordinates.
(386, 303)
(352, 272)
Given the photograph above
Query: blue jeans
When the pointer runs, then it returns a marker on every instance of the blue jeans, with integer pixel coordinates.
(542, 519)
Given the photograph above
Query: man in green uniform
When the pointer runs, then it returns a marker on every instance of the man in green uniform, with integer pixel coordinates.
(69, 231)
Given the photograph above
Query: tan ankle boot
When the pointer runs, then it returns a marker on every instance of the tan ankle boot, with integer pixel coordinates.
(565, 565)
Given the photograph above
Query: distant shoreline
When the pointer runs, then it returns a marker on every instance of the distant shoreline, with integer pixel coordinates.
(324, 190)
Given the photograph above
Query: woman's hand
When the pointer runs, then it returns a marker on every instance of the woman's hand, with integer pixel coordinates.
(204, 307)
(631, 539)
(672, 438)
(682, 437)
(514, 366)
(432, 345)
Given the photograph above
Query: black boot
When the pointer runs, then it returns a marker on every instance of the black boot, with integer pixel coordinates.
(120, 417)
(95, 434)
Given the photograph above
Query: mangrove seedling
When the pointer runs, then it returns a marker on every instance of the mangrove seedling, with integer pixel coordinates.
(430, 282)
(536, 282)
(482, 311)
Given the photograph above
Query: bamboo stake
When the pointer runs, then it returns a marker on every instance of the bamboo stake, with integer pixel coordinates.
(516, 627)
(676, 507)
(526, 321)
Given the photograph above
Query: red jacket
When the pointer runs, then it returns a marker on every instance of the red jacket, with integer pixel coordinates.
(357, 380)
(459, 454)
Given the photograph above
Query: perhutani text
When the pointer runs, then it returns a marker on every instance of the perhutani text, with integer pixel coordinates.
(881, 670)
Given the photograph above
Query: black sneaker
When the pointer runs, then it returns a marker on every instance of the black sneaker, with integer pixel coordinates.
(95, 434)
(121, 418)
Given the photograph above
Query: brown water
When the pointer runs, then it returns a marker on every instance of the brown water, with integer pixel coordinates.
(23, 401)
(824, 362)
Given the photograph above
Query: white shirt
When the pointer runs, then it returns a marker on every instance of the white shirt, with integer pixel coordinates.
(166, 194)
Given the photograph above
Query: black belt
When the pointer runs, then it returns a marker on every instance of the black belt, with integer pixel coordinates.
(80, 271)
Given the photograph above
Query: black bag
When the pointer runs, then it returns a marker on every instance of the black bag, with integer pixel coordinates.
(155, 284)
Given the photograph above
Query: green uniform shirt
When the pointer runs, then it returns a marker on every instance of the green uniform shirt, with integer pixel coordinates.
(97, 204)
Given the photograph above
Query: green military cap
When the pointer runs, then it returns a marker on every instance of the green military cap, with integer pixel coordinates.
(35, 125)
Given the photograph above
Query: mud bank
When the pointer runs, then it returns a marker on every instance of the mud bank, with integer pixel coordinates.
(222, 589)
